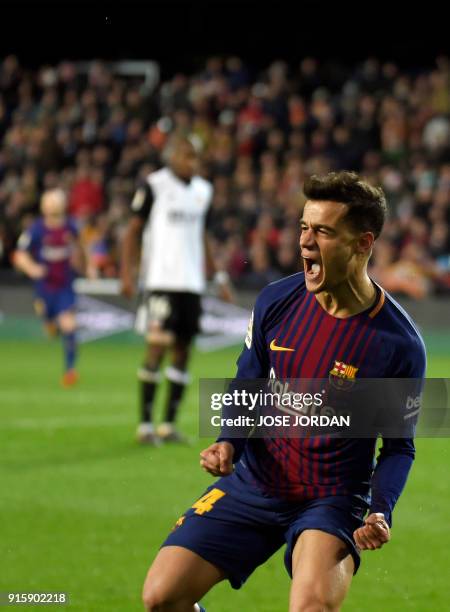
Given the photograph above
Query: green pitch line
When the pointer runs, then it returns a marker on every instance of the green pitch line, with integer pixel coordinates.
(84, 508)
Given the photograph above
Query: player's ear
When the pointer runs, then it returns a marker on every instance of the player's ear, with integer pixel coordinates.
(364, 243)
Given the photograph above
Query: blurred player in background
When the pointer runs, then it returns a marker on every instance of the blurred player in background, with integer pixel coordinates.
(49, 252)
(169, 217)
(311, 493)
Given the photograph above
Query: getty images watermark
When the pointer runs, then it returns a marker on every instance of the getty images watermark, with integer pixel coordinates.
(291, 403)
(333, 406)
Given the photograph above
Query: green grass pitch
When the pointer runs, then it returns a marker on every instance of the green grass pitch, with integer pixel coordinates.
(84, 508)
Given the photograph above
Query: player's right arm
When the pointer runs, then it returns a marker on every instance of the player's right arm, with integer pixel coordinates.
(140, 208)
(253, 363)
(217, 459)
(23, 258)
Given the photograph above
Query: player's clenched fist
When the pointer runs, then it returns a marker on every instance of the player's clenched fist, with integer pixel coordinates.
(217, 459)
(373, 534)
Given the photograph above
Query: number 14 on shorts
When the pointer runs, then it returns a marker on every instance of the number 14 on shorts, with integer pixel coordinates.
(206, 503)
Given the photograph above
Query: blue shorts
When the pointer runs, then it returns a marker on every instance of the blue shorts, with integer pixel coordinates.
(237, 536)
(50, 304)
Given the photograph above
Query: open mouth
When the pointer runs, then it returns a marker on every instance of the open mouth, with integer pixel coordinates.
(312, 267)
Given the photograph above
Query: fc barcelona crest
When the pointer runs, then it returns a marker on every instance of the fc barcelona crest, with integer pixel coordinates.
(342, 375)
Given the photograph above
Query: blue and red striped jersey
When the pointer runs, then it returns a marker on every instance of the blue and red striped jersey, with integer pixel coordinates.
(381, 342)
(51, 247)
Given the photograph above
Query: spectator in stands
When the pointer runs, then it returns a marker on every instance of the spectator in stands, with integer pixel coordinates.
(86, 195)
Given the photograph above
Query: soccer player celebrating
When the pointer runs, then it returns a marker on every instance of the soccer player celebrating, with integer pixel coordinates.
(169, 216)
(48, 253)
(312, 493)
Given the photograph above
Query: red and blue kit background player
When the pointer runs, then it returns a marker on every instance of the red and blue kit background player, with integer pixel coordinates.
(312, 494)
(47, 252)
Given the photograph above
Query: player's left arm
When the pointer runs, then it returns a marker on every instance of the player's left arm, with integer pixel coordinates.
(214, 268)
(394, 461)
(77, 256)
(388, 481)
(217, 271)
(141, 207)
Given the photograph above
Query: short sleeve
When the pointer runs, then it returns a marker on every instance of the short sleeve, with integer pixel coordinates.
(29, 239)
(142, 201)
(254, 361)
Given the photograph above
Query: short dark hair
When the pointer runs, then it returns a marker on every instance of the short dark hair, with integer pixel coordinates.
(174, 142)
(367, 204)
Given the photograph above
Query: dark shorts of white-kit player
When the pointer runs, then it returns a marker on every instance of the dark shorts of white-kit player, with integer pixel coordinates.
(175, 311)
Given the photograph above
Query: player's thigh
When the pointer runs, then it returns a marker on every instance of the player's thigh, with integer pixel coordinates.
(322, 570)
(178, 575)
(159, 315)
(229, 533)
(185, 324)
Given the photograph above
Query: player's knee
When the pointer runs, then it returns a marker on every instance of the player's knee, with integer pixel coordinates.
(314, 598)
(160, 338)
(154, 355)
(155, 596)
(159, 597)
(67, 323)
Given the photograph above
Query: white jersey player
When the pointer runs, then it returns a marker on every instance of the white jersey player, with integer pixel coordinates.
(169, 217)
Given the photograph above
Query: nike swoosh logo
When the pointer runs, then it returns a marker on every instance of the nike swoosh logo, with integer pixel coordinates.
(274, 347)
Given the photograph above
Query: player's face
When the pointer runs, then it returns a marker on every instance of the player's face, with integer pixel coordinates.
(184, 160)
(330, 247)
(53, 211)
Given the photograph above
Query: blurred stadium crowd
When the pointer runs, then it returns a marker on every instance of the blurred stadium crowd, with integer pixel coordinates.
(260, 133)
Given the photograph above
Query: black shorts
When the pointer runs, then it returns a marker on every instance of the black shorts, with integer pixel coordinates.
(175, 311)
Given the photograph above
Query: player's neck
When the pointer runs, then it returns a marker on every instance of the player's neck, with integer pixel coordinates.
(183, 179)
(349, 298)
